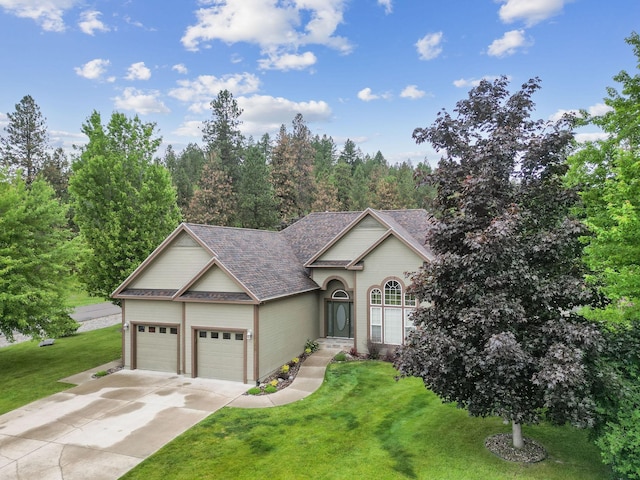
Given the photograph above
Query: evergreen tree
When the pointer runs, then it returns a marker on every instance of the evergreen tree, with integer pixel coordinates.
(304, 155)
(327, 197)
(26, 144)
(214, 202)
(497, 331)
(350, 154)
(186, 170)
(123, 201)
(55, 171)
(283, 177)
(257, 204)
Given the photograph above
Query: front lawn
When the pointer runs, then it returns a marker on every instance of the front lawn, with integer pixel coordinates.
(363, 424)
(29, 372)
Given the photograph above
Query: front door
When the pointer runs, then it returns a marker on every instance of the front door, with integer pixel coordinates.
(339, 315)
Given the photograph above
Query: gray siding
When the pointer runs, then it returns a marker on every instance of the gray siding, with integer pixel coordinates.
(216, 280)
(356, 241)
(285, 326)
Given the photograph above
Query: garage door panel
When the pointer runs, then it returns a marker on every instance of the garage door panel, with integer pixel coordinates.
(220, 355)
(157, 348)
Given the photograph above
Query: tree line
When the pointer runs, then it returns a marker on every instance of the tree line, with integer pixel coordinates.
(529, 311)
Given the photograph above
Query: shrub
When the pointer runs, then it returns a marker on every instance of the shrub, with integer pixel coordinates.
(340, 357)
(354, 352)
(307, 351)
(273, 383)
(254, 391)
(312, 345)
(285, 369)
(270, 389)
(295, 360)
(101, 373)
(374, 350)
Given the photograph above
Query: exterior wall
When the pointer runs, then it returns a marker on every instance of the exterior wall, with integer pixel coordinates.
(147, 312)
(284, 327)
(390, 259)
(231, 316)
(175, 266)
(216, 280)
(355, 241)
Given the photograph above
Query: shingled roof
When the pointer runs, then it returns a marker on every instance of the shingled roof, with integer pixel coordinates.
(269, 265)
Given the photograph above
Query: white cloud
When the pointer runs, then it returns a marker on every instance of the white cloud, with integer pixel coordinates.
(140, 102)
(138, 71)
(590, 137)
(90, 23)
(429, 46)
(269, 24)
(388, 6)
(180, 68)
(473, 82)
(599, 109)
(367, 95)
(264, 113)
(288, 61)
(190, 128)
(412, 91)
(46, 13)
(94, 69)
(4, 120)
(200, 91)
(530, 11)
(509, 43)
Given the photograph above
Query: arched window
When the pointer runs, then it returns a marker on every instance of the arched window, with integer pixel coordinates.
(340, 294)
(389, 313)
(392, 293)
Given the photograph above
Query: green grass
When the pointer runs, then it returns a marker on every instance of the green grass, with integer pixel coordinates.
(363, 424)
(29, 372)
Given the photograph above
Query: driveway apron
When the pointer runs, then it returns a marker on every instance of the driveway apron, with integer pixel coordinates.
(104, 427)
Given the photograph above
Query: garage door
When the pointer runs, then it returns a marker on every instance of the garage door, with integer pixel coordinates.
(157, 348)
(220, 355)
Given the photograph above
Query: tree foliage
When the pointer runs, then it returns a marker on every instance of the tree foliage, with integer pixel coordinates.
(608, 175)
(35, 260)
(123, 201)
(496, 329)
(26, 144)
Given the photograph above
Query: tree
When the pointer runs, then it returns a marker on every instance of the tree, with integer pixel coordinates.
(497, 331)
(304, 156)
(283, 173)
(257, 204)
(124, 202)
(35, 261)
(222, 134)
(186, 170)
(350, 154)
(55, 171)
(608, 175)
(25, 147)
(214, 202)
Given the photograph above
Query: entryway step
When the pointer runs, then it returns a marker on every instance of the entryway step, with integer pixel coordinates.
(334, 342)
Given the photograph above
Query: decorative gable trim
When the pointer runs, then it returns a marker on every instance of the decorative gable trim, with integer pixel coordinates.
(167, 241)
(356, 263)
(184, 295)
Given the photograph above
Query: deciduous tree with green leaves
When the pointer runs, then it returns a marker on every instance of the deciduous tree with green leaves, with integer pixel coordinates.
(36, 256)
(607, 173)
(123, 200)
(497, 331)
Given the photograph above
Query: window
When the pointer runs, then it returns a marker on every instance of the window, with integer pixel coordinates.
(215, 334)
(141, 328)
(202, 334)
(226, 336)
(174, 330)
(392, 293)
(340, 294)
(239, 336)
(389, 310)
(163, 329)
(376, 297)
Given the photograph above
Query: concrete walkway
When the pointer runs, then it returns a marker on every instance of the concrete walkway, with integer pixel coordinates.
(309, 378)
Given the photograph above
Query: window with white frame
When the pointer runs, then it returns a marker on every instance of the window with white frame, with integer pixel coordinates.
(389, 313)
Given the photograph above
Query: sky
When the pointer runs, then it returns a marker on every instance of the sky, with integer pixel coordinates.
(366, 70)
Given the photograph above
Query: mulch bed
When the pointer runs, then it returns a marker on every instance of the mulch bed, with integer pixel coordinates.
(502, 446)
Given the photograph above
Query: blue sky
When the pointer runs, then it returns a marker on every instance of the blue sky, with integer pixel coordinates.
(367, 70)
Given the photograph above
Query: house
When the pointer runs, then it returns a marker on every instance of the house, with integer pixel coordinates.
(236, 304)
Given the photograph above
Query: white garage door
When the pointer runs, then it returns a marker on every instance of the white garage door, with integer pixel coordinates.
(157, 348)
(220, 355)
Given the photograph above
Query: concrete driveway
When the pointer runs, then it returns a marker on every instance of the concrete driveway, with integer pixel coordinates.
(104, 427)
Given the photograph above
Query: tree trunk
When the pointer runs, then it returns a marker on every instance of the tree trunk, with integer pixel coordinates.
(516, 430)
